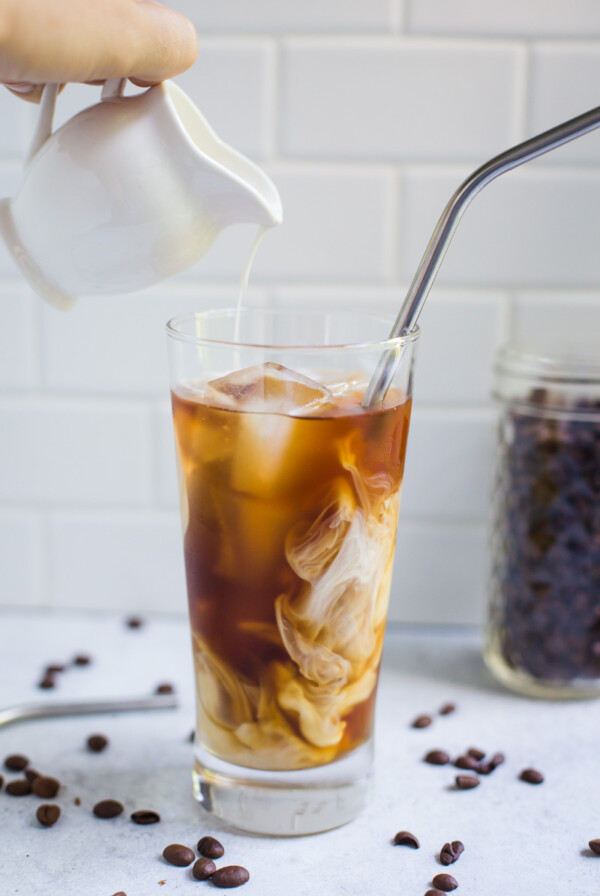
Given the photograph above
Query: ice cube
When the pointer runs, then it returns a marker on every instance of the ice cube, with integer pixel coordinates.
(267, 388)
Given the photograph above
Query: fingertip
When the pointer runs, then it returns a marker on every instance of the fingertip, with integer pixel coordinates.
(32, 93)
(180, 49)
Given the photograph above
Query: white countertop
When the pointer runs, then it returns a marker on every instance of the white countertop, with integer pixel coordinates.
(519, 838)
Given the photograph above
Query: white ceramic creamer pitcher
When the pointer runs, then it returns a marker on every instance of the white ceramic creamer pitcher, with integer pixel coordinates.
(127, 193)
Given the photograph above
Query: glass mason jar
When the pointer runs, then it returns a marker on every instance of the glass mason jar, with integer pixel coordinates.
(543, 629)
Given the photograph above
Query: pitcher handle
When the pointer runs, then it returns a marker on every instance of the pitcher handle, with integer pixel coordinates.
(43, 129)
(113, 87)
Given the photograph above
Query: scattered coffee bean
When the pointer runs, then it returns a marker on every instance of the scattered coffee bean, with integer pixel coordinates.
(476, 754)
(466, 762)
(594, 845)
(145, 816)
(486, 768)
(47, 682)
(120, 893)
(203, 869)
(134, 622)
(165, 688)
(466, 782)
(20, 787)
(405, 838)
(444, 882)
(45, 787)
(96, 743)
(210, 848)
(230, 876)
(179, 855)
(77, 801)
(48, 814)
(31, 774)
(422, 722)
(54, 667)
(108, 809)
(16, 762)
(434, 893)
(447, 708)
(450, 852)
(531, 776)
(1, 781)
(436, 757)
(82, 659)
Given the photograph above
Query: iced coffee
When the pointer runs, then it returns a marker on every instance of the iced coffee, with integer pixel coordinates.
(289, 495)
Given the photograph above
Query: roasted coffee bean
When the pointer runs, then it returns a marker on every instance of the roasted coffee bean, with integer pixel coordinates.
(203, 869)
(77, 801)
(531, 776)
(447, 708)
(466, 762)
(466, 782)
(476, 754)
(450, 852)
(31, 774)
(444, 882)
(422, 722)
(486, 768)
(134, 622)
(594, 845)
(405, 838)
(436, 757)
(179, 855)
(230, 876)
(54, 667)
(108, 809)
(20, 787)
(120, 893)
(165, 688)
(16, 762)
(547, 568)
(96, 743)
(45, 787)
(48, 814)
(145, 816)
(211, 848)
(434, 893)
(2, 781)
(47, 682)
(82, 659)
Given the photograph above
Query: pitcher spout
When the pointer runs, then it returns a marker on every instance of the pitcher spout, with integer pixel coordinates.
(226, 183)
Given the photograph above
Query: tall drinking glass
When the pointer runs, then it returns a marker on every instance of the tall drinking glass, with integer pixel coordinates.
(289, 500)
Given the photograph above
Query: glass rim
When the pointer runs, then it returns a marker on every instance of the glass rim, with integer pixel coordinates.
(381, 344)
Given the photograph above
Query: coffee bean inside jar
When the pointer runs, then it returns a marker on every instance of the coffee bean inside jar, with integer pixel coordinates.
(543, 635)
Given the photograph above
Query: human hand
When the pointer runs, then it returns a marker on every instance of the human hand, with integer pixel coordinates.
(56, 41)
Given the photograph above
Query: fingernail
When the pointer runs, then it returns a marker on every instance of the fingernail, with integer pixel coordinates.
(20, 86)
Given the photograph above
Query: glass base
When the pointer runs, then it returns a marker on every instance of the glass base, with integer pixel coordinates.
(284, 804)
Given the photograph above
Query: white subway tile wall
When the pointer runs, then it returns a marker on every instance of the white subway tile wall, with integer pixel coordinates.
(367, 116)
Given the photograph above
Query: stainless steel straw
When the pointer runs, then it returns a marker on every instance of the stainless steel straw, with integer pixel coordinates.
(444, 231)
(23, 711)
